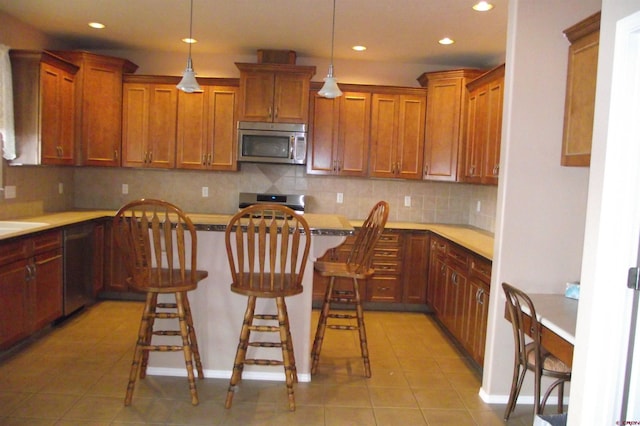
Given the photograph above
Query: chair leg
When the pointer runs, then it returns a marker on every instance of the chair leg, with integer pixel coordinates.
(192, 337)
(241, 353)
(153, 306)
(142, 341)
(186, 345)
(361, 329)
(516, 384)
(287, 349)
(292, 356)
(322, 325)
(560, 384)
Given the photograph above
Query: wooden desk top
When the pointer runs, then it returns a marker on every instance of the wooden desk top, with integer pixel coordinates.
(557, 315)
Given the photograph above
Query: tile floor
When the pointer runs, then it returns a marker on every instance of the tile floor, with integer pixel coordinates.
(76, 374)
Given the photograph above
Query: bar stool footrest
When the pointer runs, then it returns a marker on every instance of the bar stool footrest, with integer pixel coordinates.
(265, 344)
(265, 362)
(342, 327)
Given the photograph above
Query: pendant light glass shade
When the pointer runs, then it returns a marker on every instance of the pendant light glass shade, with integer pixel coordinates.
(330, 88)
(189, 84)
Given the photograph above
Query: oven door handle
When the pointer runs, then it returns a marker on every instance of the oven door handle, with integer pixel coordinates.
(292, 145)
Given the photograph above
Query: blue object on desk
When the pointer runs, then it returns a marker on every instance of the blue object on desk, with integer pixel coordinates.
(572, 291)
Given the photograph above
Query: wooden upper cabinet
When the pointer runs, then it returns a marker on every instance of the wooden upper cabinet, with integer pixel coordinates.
(44, 108)
(98, 106)
(207, 129)
(339, 134)
(150, 111)
(484, 128)
(447, 100)
(581, 91)
(274, 92)
(397, 135)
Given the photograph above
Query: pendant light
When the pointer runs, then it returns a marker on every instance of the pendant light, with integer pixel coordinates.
(189, 84)
(330, 89)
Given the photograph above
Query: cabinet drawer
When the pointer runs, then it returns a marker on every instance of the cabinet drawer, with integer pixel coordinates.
(47, 241)
(387, 266)
(13, 250)
(386, 253)
(392, 238)
(481, 270)
(384, 289)
(458, 256)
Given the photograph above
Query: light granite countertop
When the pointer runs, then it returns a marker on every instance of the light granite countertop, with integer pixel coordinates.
(474, 239)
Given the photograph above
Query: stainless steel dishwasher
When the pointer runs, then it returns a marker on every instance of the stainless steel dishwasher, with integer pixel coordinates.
(78, 267)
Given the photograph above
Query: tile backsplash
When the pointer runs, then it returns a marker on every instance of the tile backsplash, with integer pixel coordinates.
(429, 201)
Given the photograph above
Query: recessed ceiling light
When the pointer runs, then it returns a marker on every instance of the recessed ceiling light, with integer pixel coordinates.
(482, 6)
(446, 40)
(96, 25)
(189, 40)
(359, 48)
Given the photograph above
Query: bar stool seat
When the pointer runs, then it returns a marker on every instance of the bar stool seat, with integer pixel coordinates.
(150, 233)
(357, 267)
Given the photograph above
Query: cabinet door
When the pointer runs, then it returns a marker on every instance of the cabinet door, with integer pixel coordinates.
(491, 167)
(582, 70)
(476, 134)
(415, 266)
(353, 139)
(384, 134)
(291, 98)
(13, 303)
(323, 135)
(411, 124)
(192, 150)
(478, 309)
(257, 96)
(57, 116)
(163, 111)
(98, 259)
(101, 114)
(47, 286)
(443, 129)
(135, 124)
(221, 136)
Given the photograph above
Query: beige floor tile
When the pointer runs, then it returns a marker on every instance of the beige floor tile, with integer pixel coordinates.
(389, 397)
(49, 406)
(347, 396)
(349, 416)
(398, 417)
(448, 418)
(438, 398)
(95, 408)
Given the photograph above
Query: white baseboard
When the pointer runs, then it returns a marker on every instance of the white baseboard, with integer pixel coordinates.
(225, 374)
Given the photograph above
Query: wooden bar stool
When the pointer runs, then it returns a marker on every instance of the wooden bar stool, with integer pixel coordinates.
(152, 236)
(267, 247)
(357, 267)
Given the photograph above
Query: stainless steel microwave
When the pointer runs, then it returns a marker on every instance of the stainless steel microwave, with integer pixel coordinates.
(284, 143)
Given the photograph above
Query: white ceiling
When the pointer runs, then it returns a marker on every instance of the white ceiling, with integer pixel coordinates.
(403, 31)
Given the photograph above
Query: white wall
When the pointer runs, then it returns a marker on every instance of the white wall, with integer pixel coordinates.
(612, 228)
(541, 206)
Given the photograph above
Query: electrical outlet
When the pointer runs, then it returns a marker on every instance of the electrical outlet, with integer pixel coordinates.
(478, 206)
(60, 188)
(9, 191)
(205, 191)
(407, 201)
(339, 198)
(125, 189)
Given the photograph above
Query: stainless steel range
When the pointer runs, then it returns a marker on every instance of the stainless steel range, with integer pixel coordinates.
(293, 201)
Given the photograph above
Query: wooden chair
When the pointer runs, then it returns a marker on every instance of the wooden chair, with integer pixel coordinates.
(357, 267)
(153, 236)
(531, 356)
(267, 247)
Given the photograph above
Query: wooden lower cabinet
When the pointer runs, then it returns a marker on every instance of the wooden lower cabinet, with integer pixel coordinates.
(458, 292)
(30, 285)
(400, 262)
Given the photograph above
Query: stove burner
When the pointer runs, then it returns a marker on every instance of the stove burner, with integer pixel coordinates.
(293, 201)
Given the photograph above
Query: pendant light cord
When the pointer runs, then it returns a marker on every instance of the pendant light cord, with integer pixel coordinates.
(191, 29)
(333, 30)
